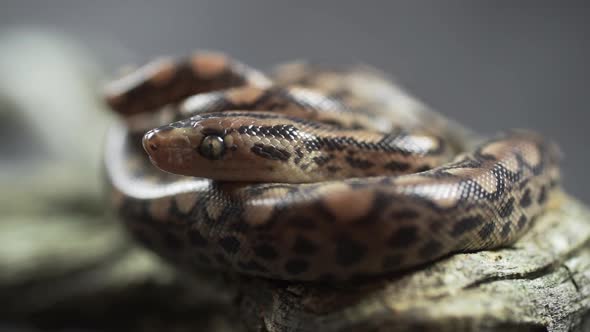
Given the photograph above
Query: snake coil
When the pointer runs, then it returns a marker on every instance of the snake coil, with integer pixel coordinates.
(301, 178)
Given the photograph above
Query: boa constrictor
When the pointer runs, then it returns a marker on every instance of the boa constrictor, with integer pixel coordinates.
(300, 177)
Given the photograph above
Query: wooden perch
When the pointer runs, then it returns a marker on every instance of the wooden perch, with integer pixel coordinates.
(541, 283)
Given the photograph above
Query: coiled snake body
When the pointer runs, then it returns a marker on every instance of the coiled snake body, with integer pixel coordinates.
(297, 178)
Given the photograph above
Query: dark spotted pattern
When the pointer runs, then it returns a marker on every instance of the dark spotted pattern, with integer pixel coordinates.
(304, 246)
(296, 266)
(252, 266)
(507, 209)
(359, 163)
(348, 251)
(525, 200)
(288, 132)
(325, 231)
(465, 225)
(506, 229)
(403, 237)
(266, 252)
(397, 166)
(542, 195)
(430, 249)
(487, 230)
(196, 239)
(142, 95)
(270, 152)
(405, 214)
(230, 244)
(392, 262)
(522, 221)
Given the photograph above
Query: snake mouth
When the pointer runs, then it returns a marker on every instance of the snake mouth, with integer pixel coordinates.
(169, 138)
(170, 149)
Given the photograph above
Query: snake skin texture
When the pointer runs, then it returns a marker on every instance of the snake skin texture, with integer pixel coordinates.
(297, 178)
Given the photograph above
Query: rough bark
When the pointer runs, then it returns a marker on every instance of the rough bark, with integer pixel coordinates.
(541, 283)
(80, 269)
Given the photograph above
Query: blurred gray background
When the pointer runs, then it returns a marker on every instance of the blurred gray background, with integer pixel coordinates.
(489, 65)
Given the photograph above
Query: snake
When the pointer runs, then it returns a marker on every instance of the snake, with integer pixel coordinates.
(295, 176)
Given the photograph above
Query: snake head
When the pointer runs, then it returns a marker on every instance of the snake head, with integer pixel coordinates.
(218, 146)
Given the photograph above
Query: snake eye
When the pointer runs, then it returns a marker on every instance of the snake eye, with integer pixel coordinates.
(212, 147)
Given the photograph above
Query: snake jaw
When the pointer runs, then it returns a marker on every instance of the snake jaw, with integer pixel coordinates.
(172, 149)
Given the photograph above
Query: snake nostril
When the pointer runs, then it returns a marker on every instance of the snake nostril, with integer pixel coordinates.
(148, 141)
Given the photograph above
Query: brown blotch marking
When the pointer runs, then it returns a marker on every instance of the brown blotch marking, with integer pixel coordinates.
(506, 230)
(266, 252)
(333, 169)
(270, 152)
(405, 214)
(349, 251)
(435, 226)
(525, 200)
(403, 237)
(542, 195)
(257, 215)
(257, 211)
(165, 70)
(296, 266)
(430, 249)
(221, 260)
(344, 203)
(209, 65)
(299, 156)
(507, 209)
(359, 163)
(155, 72)
(214, 209)
(487, 230)
(326, 278)
(158, 208)
(531, 155)
(322, 160)
(252, 266)
(196, 239)
(503, 152)
(230, 244)
(244, 95)
(465, 225)
(392, 262)
(186, 201)
(524, 183)
(423, 168)
(173, 241)
(397, 166)
(522, 222)
(302, 224)
(304, 246)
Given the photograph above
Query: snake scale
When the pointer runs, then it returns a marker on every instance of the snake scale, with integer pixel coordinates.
(296, 178)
